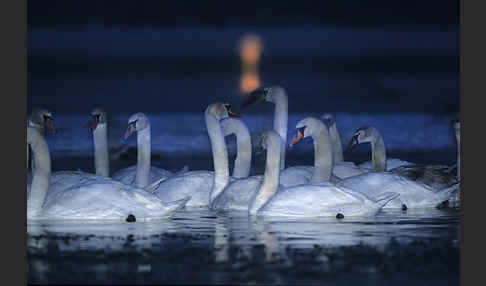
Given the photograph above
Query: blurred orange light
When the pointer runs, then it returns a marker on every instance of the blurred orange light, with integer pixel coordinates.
(250, 51)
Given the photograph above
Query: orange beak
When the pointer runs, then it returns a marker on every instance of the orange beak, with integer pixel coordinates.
(130, 129)
(296, 139)
(92, 123)
(231, 113)
(50, 125)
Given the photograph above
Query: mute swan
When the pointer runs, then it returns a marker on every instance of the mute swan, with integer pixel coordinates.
(40, 119)
(342, 169)
(277, 95)
(437, 177)
(242, 164)
(237, 195)
(200, 184)
(99, 126)
(315, 199)
(141, 174)
(89, 197)
(378, 162)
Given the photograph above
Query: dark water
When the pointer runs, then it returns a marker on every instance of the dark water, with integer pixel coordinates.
(201, 247)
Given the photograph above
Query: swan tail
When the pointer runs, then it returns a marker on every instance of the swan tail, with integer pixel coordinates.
(176, 205)
(382, 199)
(445, 194)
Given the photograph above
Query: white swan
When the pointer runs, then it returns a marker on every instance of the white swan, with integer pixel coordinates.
(40, 119)
(437, 177)
(238, 193)
(342, 169)
(142, 174)
(315, 199)
(87, 196)
(200, 184)
(378, 162)
(99, 125)
(242, 164)
(277, 95)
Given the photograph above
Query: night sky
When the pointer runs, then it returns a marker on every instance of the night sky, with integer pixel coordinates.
(179, 56)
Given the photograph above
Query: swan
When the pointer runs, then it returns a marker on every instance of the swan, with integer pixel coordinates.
(98, 123)
(277, 95)
(200, 184)
(237, 195)
(378, 162)
(314, 199)
(342, 169)
(141, 174)
(88, 196)
(235, 126)
(437, 177)
(40, 119)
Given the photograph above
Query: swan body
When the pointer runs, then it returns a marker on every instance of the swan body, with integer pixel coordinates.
(412, 194)
(79, 195)
(127, 175)
(391, 163)
(323, 199)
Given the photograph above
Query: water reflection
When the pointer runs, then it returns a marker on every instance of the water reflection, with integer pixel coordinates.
(220, 247)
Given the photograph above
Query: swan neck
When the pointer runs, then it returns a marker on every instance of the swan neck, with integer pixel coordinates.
(271, 176)
(243, 143)
(41, 174)
(458, 141)
(220, 156)
(323, 157)
(378, 153)
(100, 136)
(280, 121)
(336, 144)
(143, 158)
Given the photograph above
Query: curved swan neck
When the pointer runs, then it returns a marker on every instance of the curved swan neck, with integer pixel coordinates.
(143, 157)
(271, 176)
(243, 142)
(280, 121)
(378, 153)
(220, 155)
(337, 147)
(323, 156)
(100, 138)
(41, 173)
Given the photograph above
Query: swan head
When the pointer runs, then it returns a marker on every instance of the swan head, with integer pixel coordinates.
(269, 138)
(306, 127)
(262, 94)
(98, 116)
(328, 119)
(220, 110)
(361, 135)
(456, 123)
(41, 118)
(137, 122)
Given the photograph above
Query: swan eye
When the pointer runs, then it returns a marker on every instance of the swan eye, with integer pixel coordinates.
(301, 130)
(47, 118)
(133, 123)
